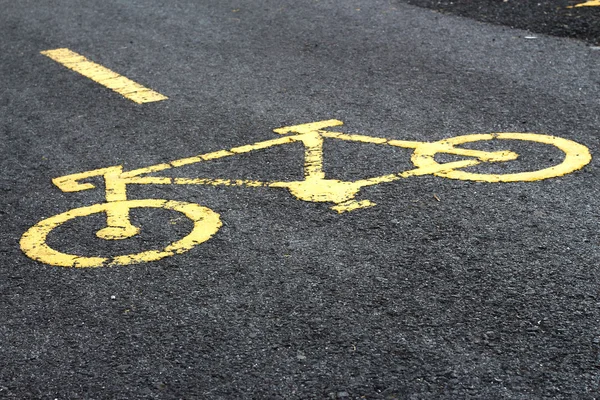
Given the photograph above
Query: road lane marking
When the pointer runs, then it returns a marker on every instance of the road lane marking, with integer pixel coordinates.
(104, 76)
(315, 187)
(591, 3)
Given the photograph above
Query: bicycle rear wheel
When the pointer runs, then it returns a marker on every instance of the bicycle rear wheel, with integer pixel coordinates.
(576, 157)
(33, 242)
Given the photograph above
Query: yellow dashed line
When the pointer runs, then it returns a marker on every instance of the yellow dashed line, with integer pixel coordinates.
(591, 3)
(104, 76)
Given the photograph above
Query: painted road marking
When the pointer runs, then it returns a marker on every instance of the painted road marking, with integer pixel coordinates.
(591, 3)
(315, 187)
(104, 76)
(206, 224)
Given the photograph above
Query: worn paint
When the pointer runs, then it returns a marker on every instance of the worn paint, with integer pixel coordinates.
(315, 187)
(591, 3)
(352, 205)
(104, 76)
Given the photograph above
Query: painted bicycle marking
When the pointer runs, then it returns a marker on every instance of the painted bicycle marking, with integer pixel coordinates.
(315, 187)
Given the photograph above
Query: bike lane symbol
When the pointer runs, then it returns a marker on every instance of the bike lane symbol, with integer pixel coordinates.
(315, 187)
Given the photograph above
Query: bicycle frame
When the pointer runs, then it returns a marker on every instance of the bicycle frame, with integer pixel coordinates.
(314, 188)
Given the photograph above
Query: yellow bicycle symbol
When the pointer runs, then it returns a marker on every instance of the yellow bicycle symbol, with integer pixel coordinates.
(315, 187)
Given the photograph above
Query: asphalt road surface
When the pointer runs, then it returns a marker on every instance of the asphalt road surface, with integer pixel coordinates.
(475, 279)
(571, 18)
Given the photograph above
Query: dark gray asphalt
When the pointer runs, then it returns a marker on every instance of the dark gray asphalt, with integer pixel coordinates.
(492, 292)
(569, 18)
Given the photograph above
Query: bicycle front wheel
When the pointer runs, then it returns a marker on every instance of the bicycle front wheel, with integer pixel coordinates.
(33, 242)
(576, 157)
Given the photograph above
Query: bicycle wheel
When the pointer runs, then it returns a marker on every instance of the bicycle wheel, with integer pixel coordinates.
(33, 242)
(576, 157)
